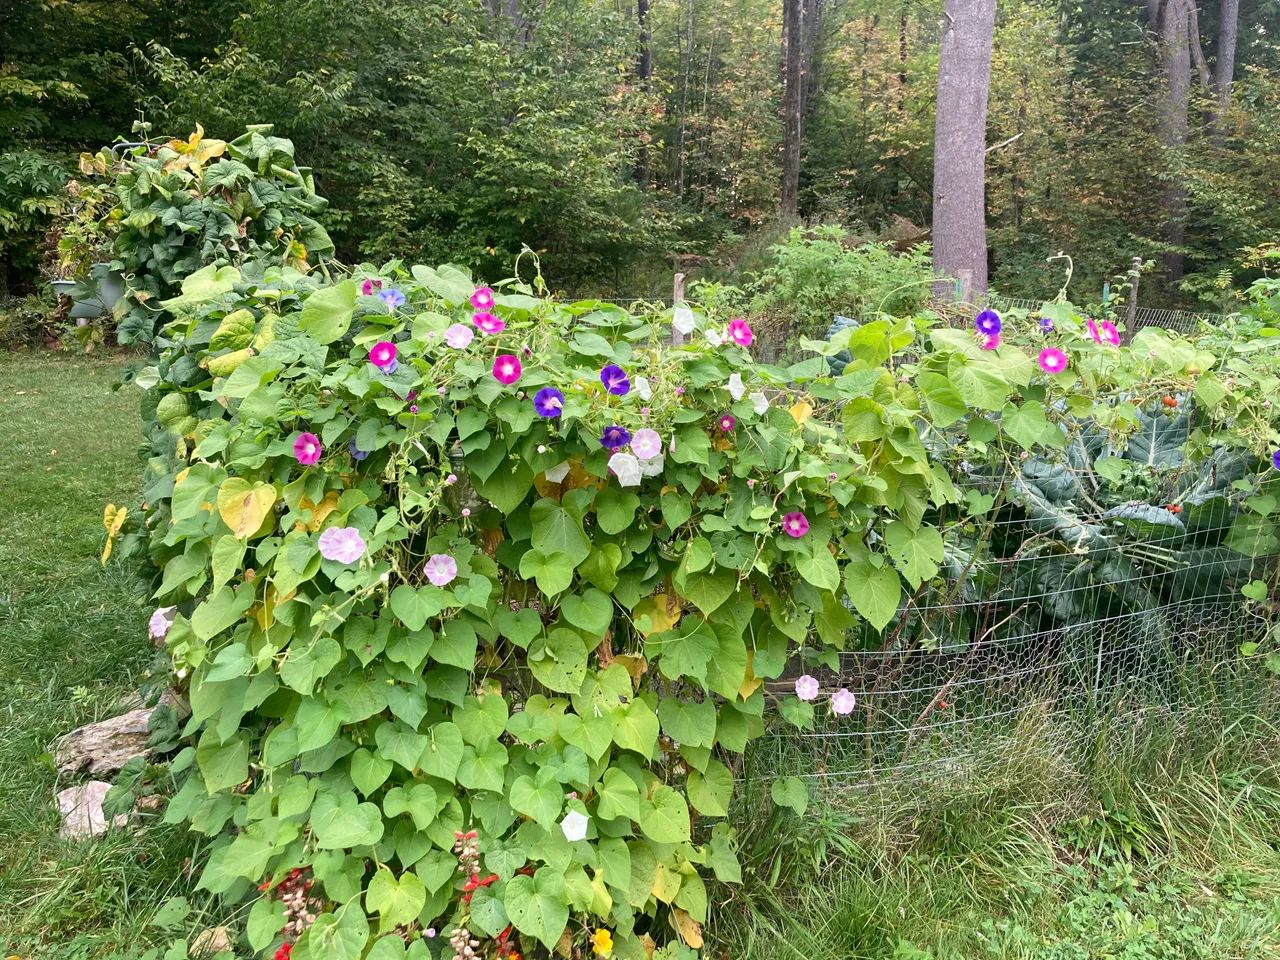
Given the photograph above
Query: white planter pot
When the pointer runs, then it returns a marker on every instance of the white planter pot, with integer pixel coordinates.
(110, 287)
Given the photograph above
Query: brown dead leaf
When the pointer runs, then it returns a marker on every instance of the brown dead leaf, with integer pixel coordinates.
(689, 928)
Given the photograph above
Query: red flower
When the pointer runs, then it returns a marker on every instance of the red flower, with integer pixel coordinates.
(284, 951)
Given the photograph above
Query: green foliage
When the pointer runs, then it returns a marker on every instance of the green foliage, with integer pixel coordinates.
(31, 192)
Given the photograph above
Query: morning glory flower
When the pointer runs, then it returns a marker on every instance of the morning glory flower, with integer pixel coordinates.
(795, 524)
(307, 449)
(1275, 459)
(652, 467)
(574, 825)
(369, 287)
(643, 388)
(736, 389)
(458, 336)
(1046, 324)
(506, 369)
(159, 624)
(761, 402)
(482, 299)
(356, 452)
(806, 687)
(441, 569)
(714, 337)
(548, 402)
(614, 438)
(988, 323)
(740, 332)
(383, 356)
(557, 473)
(1052, 360)
(615, 380)
(991, 342)
(343, 544)
(682, 320)
(842, 702)
(1109, 333)
(488, 323)
(728, 422)
(626, 468)
(646, 444)
(392, 298)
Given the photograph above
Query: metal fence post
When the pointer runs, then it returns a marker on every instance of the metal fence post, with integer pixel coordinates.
(1131, 318)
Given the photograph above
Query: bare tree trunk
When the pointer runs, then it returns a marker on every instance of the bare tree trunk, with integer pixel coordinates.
(684, 99)
(792, 103)
(1225, 66)
(902, 60)
(644, 73)
(959, 154)
(812, 54)
(1172, 21)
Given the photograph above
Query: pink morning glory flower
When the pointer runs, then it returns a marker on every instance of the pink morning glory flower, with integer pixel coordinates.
(1052, 360)
(728, 422)
(988, 323)
(991, 342)
(482, 299)
(806, 687)
(615, 380)
(369, 287)
(383, 356)
(458, 336)
(343, 544)
(740, 332)
(614, 438)
(646, 444)
(506, 369)
(488, 323)
(795, 524)
(441, 569)
(842, 702)
(307, 449)
(160, 623)
(1109, 333)
(392, 298)
(548, 402)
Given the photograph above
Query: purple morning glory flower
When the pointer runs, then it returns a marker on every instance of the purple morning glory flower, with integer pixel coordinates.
(615, 380)
(392, 298)
(548, 402)
(614, 438)
(356, 452)
(1275, 459)
(988, 323)
(1046, 324)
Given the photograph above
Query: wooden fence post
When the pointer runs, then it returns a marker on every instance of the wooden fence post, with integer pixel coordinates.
(677, 297)
(1131, 317)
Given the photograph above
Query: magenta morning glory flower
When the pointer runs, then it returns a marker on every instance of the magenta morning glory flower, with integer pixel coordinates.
(991, 342)
(370, 286)
(482, 299)
(646, 444)
(988, 323)
(392, 298)
(307, 449)
(614, 437)
(548, 402)
(488, 323)
(728, 422)
(343, 544)
(740, 332)
(1275, 459)
(806, 687)
(383, 356)
(1052, 360)
(842, 702)
(441, 569)
(615, 380)
(458, 336)
(1109, 333)
(506, 369)
(795, 524)
(356, 452)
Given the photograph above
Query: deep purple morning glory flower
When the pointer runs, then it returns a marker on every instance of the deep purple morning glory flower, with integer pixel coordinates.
(614, 438)
(615, 380)
(392, 298)
(548, 402)
(988, 323)
(1275, 459)
(356, 452)
(1046, 324)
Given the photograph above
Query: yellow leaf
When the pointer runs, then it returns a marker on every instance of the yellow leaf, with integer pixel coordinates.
(113, 519)
(243, 506)
(750, 683)
(666, 883)
(663, 613)
(265, 612)
(601, 901)
(690, 929)
(635, 666)
(801, 412)
(182, 475)
(328, 504)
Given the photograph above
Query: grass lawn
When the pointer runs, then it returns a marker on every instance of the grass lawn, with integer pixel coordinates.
(1181, 861)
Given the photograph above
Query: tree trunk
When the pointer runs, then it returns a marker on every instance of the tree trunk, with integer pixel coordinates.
(1172, 21)
(810, 57)
(644, 73)
(792, 104)
(902, 60)
(959, 171)
(1225, 66)
(684, 99)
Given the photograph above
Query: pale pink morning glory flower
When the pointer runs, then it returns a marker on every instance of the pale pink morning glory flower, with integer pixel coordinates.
(451, 479)
(806, 687)
(740, 332)
(160, 623)
(458, 336)
(343, 544)
(1052, 360)
(646, 443)
(626, 468)
(842, 702)
(307, 449)
(506, 369)
(441, 569)
(751, 482)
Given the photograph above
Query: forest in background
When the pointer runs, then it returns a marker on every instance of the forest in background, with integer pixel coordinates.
(623, 140)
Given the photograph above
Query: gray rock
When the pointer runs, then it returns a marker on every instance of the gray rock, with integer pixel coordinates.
(106, 746)
(81, 810)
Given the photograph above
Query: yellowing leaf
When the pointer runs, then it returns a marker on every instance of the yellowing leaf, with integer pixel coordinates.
(801, 412)
(666, 883)
(113, 519)
(182, 475)
(243, 506)
(650, 947)
(265, 612)
(635, 666)
(328, 504)
(663, 613)
(751, 683)
(690, 929)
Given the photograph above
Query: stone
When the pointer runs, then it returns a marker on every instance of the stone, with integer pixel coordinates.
(104, 747)
(211, 941)
(81, 810)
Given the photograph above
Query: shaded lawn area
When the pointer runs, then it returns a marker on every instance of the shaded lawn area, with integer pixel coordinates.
(73, 646)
